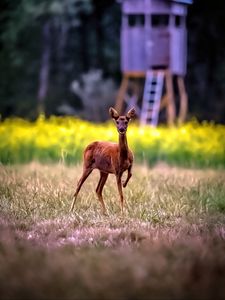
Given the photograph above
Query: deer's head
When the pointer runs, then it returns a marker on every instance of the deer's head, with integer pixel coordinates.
(121, 121)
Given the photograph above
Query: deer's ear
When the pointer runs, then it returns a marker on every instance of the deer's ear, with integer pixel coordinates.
(113, 113)
(131, 113)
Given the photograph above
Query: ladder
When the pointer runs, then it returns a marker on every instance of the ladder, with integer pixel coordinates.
(151, 98)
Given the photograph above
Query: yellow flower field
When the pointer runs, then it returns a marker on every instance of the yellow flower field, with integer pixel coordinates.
(64, 138)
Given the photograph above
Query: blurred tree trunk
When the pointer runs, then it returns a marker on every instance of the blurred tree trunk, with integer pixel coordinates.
(97, 18)
(84, 51)
(45, 67)
(61, 45)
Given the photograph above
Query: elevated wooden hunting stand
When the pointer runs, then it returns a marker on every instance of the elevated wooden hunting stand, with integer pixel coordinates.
(153, 56)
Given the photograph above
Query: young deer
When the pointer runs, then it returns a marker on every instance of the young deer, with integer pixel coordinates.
(109, 158)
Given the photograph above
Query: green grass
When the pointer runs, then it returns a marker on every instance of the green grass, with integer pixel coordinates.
(170, 243)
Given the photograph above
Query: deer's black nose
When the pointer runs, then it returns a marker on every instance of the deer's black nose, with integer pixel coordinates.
(121, 129)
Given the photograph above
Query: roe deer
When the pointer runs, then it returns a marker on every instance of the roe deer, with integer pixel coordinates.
(109, 158)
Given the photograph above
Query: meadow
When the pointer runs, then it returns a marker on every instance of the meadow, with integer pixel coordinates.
(168, 244)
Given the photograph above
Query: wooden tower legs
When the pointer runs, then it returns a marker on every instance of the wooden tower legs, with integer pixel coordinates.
(183, 100)
(121, 94)
(170, 107)
(167, 101)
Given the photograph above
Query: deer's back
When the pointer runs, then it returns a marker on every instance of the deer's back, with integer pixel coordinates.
(105, 156)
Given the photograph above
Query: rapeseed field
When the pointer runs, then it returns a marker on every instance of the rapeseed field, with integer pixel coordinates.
(57, 139)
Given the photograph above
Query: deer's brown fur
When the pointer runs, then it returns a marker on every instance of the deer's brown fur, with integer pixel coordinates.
(109, 158)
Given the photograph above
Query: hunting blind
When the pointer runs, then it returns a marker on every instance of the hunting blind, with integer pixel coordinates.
(154, 48)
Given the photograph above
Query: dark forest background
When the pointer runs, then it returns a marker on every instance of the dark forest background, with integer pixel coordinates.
(64, 57)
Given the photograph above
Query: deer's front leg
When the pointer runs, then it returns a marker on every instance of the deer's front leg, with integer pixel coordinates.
(129, 174)
(119, 185)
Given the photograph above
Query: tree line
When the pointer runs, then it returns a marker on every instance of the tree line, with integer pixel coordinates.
(54, 52)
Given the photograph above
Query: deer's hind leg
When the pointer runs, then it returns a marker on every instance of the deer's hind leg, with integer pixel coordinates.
(87, 169)
(84, 176)
(101, 183)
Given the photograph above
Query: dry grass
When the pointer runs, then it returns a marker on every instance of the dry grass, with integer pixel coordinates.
(170, 243)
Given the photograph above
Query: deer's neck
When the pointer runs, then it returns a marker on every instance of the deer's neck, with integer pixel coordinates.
(123, 147)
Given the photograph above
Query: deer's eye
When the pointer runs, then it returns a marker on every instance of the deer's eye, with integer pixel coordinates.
(126, 122)
(117, 122)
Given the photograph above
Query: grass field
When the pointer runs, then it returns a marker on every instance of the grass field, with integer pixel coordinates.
(170, 243)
